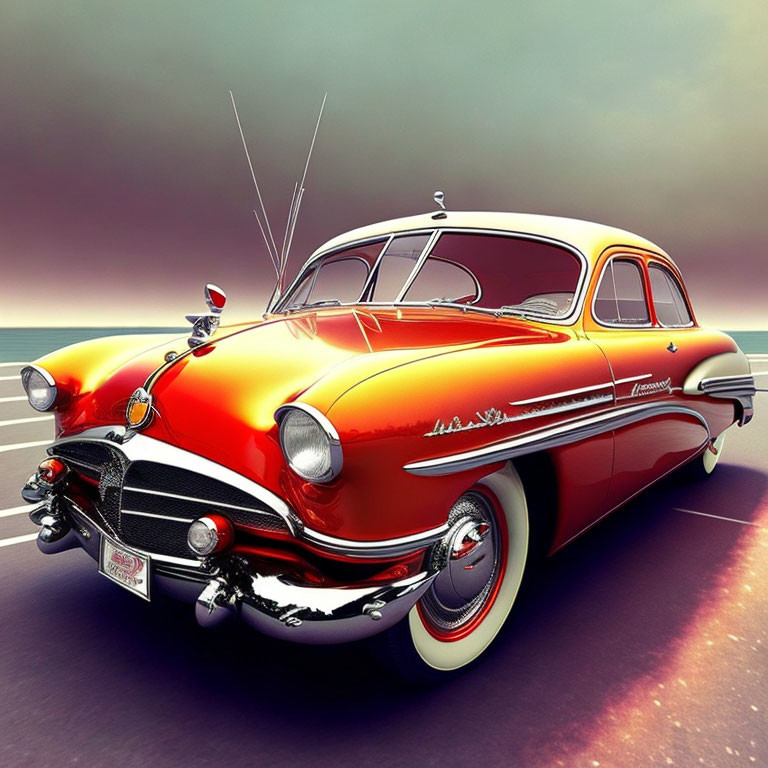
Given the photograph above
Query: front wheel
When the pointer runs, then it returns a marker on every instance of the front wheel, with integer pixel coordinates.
(484, 558)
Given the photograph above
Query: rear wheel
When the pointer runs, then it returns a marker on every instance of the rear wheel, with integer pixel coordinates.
(484, 557)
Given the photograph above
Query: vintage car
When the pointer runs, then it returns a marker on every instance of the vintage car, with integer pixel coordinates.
(432, 402)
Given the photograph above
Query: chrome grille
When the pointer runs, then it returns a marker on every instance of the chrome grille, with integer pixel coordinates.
(150, 505)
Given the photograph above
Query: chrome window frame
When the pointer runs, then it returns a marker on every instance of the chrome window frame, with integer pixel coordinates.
(656, 264)
(416, 267)
(604, 323)
(385, 239)
(568, 319)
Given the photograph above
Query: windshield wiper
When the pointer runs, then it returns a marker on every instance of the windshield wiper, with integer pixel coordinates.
(512, 309)
(310, 304)
(456, 305)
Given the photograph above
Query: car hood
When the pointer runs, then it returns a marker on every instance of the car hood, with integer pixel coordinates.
(219, 401)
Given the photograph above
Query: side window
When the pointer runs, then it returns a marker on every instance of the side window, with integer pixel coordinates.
(620, 297)
(668, 300)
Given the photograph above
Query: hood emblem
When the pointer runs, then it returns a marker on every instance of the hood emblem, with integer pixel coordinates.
(138, 413)
(205, 324)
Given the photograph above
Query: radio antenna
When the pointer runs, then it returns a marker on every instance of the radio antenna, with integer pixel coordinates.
(298, 194)
(268, 241)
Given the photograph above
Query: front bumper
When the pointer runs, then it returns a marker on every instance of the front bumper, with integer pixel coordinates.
(272, 605)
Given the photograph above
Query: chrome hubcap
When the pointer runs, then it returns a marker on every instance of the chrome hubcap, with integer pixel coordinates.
(469, 555)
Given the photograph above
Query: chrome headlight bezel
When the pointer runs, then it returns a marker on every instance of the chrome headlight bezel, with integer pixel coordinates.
(34, 377)
(334, 458)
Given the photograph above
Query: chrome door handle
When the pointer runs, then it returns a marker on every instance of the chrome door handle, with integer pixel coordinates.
(672, 347)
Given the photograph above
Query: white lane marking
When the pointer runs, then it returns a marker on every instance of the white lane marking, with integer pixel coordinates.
(718, 517)
(16, 510)
(18, 539)
(10, 378)
(19, 446)
(13, 399)
(8, 365)
(9, 422)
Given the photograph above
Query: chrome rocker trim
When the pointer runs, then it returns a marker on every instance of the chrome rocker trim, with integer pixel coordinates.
(567, 432)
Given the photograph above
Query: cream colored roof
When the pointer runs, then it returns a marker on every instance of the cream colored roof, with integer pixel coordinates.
(590, 238)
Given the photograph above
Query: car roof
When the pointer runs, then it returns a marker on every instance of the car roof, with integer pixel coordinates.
(588, 237)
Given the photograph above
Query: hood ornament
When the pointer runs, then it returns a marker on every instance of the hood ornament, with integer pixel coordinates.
(205, 324)
(439, 198)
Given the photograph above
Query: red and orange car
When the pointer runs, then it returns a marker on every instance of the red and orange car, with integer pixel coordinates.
(432, 401)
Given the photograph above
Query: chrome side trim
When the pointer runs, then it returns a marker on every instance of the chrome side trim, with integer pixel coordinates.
(718, 384)
(381, 548)
(564, 393)
(630, 379)
(571, 431)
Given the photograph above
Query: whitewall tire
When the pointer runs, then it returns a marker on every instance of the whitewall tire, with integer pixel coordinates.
(466, 606)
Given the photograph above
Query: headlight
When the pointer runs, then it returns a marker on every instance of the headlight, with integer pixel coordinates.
(39, 386)
(309, 442)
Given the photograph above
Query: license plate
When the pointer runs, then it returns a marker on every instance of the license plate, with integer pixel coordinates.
(124, 566)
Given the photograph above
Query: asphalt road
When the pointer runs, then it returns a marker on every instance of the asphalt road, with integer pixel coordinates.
(645, 642)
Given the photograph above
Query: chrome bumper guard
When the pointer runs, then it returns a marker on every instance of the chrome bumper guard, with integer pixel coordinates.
(317, 615)
(270, 604)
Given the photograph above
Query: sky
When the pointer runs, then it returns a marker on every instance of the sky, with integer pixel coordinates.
(123, 186)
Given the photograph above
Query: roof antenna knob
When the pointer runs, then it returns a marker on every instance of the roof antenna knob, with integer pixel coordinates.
(439, 198)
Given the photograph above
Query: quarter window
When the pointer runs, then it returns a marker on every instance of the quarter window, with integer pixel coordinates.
(668, 300)
(620, 296)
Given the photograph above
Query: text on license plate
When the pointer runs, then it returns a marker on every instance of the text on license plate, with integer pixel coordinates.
(128, 568)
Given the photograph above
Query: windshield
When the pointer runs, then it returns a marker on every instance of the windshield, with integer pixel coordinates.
(484, 271)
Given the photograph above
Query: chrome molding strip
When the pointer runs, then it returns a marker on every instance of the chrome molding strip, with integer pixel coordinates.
(382, 548)
(564, 393)
(571, 431)
(157, 517)
(630, 379)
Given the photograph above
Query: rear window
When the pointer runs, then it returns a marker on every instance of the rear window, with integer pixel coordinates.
(668, 300)
(621, 296)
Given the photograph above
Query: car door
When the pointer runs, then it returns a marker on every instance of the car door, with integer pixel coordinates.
(649, 362)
